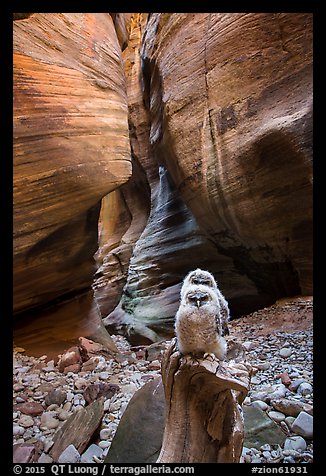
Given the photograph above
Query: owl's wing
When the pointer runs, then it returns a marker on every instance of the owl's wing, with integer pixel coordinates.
(224, 314)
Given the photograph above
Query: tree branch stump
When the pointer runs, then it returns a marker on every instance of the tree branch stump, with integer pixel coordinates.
(204, 422)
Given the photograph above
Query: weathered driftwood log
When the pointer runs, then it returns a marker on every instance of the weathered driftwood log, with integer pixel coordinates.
(204, 422)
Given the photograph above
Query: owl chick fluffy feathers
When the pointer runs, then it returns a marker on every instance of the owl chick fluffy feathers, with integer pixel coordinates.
(201, 320)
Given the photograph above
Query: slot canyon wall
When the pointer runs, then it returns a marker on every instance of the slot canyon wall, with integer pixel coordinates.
(71, 148)
(197, 145)
(227, 126)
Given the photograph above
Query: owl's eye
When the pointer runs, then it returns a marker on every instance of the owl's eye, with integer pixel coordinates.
(204, 281)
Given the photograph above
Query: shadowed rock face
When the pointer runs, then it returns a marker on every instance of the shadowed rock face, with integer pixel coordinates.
(223, 131)
(71, 148)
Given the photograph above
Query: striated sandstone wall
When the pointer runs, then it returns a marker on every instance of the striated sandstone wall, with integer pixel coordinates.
(71, 148)
(230, 149)
(217, 133)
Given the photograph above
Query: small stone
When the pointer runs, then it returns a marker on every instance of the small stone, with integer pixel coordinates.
(94, 391)
(69, 455)
(24, 453)
(90, 365)
(70, 396)
(266, 454)
(52, 407)
(295, 443)
(48, 421)
(67, 406)
(47, 445)
(285, 379)
(104, 375)
(287, 406)
(115, 406)
(154, 365)
(295, 384)
(56, 396)
(26, 421)
(80, 383)
(18, 430)
(308, 408)
(105, 433)
(248, 345)
(260, 404)
(285, 352)
(30, 408)
(92, 450)
(104, 444)
(63, 415)
(288, 459)
(289, 420)
(265, 447)
(276, 416)
(21, 399)
(70, 358)
(303, 425)
(129, 388)
(73, 369)
(263, 365)
(44, 458)
(304, 388)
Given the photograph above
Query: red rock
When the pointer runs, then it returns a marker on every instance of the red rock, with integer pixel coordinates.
(90, 364)
(69, 150)
(70, 357)
(23, 453)
(94, 391)
(30, 408)
(27, 453)
(55, 396)
(285, 379)
(88, 348)
(154, 366)
(75, 368)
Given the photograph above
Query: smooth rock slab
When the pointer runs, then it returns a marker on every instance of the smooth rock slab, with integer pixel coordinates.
(260, 429)
(78, 429)
(138, 438)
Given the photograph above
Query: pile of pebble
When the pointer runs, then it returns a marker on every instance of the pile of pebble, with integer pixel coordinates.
(281, 386)
(44, 398)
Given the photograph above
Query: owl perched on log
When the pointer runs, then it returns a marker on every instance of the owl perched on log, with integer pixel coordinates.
(201, 320)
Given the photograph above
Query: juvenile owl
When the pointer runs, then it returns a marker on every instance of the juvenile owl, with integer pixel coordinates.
(197, 324)
(204, 278)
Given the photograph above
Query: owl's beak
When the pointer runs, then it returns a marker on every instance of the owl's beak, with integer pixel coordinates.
(198, 303)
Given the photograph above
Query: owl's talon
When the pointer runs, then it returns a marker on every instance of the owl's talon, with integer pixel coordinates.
(206, 355)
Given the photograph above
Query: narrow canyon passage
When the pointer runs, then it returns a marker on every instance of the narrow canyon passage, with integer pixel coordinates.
(147, 145)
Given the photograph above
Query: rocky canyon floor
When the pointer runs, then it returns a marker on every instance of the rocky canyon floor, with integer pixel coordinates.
(47, 394)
